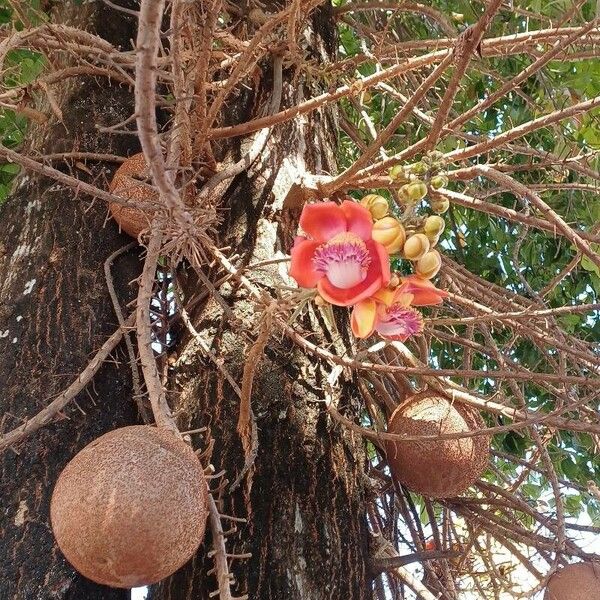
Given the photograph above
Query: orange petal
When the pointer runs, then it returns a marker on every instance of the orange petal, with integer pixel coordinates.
(424, 292)
(385, 296)
(323, 220)
(358, 219)
(363, 318)
(301, 267)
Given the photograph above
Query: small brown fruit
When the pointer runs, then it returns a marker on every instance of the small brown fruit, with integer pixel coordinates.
(580, 581)
(130, 182)
(436, 468)
(130, 508)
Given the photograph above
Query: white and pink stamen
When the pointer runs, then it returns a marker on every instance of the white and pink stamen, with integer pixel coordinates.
(344, 260)
(400, 321)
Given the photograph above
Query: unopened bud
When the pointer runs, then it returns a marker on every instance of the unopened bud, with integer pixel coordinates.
(429, 264)
(434, 225)
(389, 232)
(419, 168)
(440, 205)
(397, 173)
(439, 181)
(416, 246)
(394, 281)
(377, 205)
(416, 191)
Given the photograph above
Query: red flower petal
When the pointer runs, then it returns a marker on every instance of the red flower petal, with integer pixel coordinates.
(424, 292)
(378, 276)
(322, 221)
(359, 219)
(301, 267)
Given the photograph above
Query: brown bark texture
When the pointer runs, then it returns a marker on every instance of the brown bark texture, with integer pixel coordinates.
(305, 527)
(55, 312)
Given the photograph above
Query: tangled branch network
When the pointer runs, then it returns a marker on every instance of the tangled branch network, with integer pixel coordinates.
(419, 175)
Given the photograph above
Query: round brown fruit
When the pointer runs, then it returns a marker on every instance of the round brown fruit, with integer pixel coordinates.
(436, 468)
(580, 581)
(130, 182)
(130, 508)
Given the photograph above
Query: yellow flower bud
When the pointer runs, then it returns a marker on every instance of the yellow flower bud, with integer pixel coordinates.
(416, 191)
(403, 195)
(439, 181)
(389, 232)
(433, 239)
(429, 264)
(377, 205)
(397, 173)
(434, 225)
(440, 205)
(419, 168)
(416, 246)
(394, 281)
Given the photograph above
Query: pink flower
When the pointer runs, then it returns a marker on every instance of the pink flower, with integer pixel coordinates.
(339, 256)
(390, 313)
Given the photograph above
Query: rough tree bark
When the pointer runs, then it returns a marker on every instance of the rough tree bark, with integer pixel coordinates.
(306, 528)
(55, 311)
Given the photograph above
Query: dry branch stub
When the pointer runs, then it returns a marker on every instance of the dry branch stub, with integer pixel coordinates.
(131, 507)
(580, 581)
(131, 182)
(437, 468)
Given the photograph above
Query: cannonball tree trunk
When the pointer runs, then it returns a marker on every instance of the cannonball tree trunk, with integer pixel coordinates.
(55, 312)
(302, 496)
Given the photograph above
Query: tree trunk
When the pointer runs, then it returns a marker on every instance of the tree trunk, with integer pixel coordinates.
(303, 496)
(306, 527)
(55, 312)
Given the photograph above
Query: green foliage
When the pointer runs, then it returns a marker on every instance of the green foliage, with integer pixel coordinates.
(21, 68)
(502, 252)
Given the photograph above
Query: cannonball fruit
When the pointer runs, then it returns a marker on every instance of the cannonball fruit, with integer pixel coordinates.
(130, 508)
(436, 468)
(130, 182)
(580, 581)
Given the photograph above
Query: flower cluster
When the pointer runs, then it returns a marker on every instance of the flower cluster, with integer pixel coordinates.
(346, 257)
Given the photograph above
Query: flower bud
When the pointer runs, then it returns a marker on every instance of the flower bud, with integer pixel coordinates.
(403, 195)
(419, 168)
(439, 181)
(416, 246)
(389, 232)
(429, 264)
(433, 239)
(320, 301)
(433, 226)
(395, 281)
(397, 173)
(416, 191)
(377, 205)
(440, 205)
